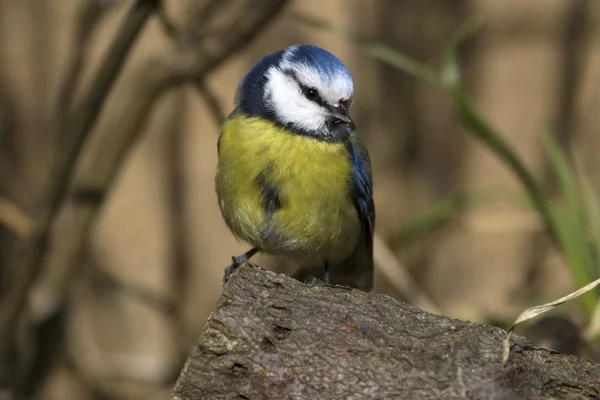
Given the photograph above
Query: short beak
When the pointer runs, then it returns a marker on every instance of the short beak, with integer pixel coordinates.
(340, 115)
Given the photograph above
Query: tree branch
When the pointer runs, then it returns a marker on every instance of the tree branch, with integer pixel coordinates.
(272, 337)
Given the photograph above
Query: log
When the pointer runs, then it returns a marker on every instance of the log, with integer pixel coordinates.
(273, 337)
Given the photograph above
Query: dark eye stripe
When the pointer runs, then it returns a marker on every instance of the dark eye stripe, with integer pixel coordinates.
(315, 99)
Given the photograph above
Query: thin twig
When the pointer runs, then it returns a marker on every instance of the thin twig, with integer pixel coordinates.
(109, 280)
(243, 35)
(173, 32)
(211, 101)
(90, 14)
(28, 265)
(207, 12)
(166, 23)
(14, 219)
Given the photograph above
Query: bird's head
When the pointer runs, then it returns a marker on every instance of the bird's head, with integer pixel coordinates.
(303, 88)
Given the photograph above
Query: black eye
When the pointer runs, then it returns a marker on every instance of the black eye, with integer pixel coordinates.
(311, 93)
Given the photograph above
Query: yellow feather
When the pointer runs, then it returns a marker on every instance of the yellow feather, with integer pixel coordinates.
(317, 221)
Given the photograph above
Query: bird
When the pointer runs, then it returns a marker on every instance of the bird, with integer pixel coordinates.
(293, 176)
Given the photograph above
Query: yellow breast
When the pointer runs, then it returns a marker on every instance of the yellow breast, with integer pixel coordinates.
(317, 220)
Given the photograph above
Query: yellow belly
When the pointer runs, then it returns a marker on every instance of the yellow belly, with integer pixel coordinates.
(317, 220)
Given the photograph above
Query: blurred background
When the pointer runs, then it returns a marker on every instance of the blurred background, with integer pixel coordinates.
(112, 246)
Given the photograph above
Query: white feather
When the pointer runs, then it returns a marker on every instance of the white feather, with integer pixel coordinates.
(285, 98)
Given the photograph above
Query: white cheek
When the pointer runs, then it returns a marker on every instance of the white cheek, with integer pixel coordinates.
(289, 104)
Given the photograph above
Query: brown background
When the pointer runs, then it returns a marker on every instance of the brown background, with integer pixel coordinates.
(131, 319)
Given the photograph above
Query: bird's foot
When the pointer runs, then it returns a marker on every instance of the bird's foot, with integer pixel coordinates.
(237, 261)
(314, 281)
(230, 269)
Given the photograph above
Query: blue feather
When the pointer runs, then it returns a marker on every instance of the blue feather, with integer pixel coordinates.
(325, 63)
(250, 93)
(362, 195)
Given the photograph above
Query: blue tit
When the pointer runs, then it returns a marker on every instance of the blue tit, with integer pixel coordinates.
(293, 177)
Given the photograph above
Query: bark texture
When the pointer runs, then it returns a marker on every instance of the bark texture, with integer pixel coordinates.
(272, 337)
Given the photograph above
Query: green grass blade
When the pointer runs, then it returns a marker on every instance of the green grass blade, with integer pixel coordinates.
(570, 246)
(592, 209)
(572, 227)
(572, 223)
(566, 180)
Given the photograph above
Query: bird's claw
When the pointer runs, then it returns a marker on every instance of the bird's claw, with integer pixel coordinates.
(237, 261)
(314, 281)
(230, 269)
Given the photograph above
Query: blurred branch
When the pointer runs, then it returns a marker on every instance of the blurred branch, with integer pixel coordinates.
(108, 280)
(207, 12)
(14, 219)
(577, 20)
(211, 101)
(89, 14)
(241, 27)
(122, 129)
(175, 156)
(79, 125)
(169, 28)
(41, 54)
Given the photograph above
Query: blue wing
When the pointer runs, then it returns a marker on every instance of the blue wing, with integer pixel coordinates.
(362, 192)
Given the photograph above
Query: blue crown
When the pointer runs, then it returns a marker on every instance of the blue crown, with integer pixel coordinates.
(325, 63)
